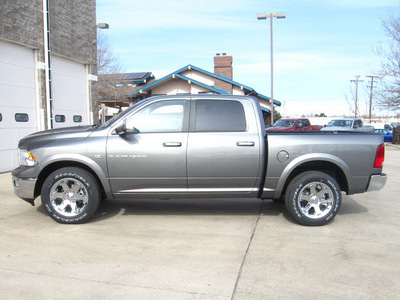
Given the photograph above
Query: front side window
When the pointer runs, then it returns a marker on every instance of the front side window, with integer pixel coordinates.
(219, 115)
(163, 116)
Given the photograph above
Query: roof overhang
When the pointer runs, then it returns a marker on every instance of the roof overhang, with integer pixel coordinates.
(265, 109)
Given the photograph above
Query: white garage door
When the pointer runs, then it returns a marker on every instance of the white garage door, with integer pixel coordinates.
(18, 115)
(69, 92)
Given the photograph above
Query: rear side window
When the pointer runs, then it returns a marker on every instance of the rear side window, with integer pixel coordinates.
(219, 115)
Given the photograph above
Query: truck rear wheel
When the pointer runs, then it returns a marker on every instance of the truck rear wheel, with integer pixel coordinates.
(313, 198)
(71, 195)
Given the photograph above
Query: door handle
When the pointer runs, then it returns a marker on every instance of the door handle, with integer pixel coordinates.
(172, 144)
(245, 144)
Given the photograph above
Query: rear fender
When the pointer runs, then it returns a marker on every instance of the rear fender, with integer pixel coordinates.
(297, 162)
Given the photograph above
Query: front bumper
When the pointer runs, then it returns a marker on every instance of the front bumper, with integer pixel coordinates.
(376, 182)
(24, 188)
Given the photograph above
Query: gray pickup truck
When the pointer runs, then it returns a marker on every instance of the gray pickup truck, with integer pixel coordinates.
(195, 146)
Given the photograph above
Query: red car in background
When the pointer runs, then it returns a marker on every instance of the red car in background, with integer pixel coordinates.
(293, 124)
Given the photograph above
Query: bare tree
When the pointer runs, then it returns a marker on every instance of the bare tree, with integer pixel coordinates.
(351, 102)
(109, 68)
(388, 93)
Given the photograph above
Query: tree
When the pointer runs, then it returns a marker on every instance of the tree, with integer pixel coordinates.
(108, 68)
(351, 101)
(388, 93)
(322, 115)
(277, 115)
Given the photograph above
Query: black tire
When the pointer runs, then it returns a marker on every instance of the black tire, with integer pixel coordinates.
(313, 198)
(71, 195)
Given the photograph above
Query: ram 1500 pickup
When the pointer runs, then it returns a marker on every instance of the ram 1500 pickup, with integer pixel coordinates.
(348, 124)
(195, 146)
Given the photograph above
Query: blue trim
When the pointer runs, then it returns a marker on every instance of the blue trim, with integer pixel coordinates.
(218, 76)
(276, 102)
(265, 109)
(214, 89)
(152, 84)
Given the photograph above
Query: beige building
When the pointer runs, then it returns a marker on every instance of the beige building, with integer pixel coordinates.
(193, 80)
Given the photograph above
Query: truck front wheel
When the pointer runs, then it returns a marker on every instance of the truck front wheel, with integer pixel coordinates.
(313, 198)
(71, 195)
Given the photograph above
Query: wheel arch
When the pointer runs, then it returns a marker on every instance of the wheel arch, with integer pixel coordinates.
(55, 165)
(328, 164)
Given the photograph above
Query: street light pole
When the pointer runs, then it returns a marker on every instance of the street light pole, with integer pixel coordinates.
(263, 16)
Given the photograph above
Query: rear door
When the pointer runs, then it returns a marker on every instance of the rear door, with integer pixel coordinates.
(152, 160)
(223, 147)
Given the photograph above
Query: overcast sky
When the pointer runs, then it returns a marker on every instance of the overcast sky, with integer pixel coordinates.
(318, 48)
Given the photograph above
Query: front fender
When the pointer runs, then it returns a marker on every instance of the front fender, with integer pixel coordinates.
(80, 159)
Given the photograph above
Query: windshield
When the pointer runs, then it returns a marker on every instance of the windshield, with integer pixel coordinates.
(284, 123)
(340, 123)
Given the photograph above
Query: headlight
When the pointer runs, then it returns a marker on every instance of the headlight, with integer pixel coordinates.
(26, 158)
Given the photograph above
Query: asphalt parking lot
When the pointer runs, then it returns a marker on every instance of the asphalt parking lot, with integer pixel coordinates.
(204, 249)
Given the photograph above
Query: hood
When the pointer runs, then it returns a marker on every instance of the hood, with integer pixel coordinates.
(54, 135)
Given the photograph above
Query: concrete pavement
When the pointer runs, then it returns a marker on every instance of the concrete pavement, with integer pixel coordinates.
(204, 249)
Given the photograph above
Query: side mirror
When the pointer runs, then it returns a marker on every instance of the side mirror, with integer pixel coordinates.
(128, 126)
(125, 127)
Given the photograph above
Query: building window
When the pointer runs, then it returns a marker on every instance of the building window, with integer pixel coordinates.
(77, 119)
(21, 117)
(60, 118)
(219, 115)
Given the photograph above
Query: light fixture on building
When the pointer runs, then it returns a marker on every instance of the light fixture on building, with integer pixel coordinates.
(103, 26)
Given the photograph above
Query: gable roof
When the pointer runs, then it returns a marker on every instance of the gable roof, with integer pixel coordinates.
(177, 74)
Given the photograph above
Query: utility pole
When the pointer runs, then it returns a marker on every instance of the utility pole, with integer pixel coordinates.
(356, 81)
(370, 96)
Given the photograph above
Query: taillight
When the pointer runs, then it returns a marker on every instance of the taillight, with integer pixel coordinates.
(380, 156)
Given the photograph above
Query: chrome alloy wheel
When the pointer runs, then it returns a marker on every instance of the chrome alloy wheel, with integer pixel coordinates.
(315, 200)
(69, 197)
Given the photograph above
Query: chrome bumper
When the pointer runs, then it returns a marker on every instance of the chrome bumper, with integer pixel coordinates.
(24, 188)
(376, 182)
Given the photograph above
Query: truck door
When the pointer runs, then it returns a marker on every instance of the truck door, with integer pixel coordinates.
(223, 148)
(153, 158)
